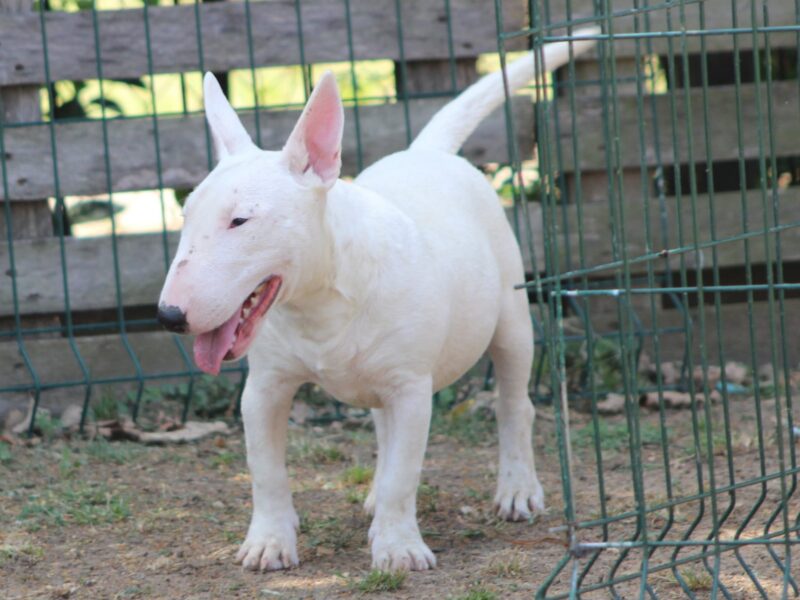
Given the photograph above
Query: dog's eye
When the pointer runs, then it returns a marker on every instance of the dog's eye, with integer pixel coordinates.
(236, 222)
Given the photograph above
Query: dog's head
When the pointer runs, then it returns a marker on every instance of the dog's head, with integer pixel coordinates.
(253, 230)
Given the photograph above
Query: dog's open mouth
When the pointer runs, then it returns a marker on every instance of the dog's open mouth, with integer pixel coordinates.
(230, 340)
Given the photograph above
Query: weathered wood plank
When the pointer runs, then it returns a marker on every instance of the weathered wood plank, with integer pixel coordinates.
(737, 344)
(717, 15)
(105, 356)
(90, 265)
(90, 273)
(588, 124)
(598, 243)
(20, 104)
(183, 147)
(223, 30)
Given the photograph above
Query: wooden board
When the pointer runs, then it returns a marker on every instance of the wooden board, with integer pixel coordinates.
(184, 149)
(716, 17)
(54, 359)
(222, 28)
(598, 240)
(588, 124)
(91, 273)
(736, 341)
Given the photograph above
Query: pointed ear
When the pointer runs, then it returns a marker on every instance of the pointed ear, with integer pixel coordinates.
(316, 143)
(227, 130)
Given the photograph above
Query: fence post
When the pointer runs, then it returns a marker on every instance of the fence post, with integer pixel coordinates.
(29, 218)
(20, 104)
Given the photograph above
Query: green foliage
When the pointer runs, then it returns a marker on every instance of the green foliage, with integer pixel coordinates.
(108, 408)
(9, 553)
(315, 453)
(48, 427)
(478, 594)
(697, 581)
(458, 419)
(226, 458)
(427, 499)
(615, 436)
(119, 452)
(358, 475)
(81, 505)
(381, 581)
(330, 532)
(211, 398)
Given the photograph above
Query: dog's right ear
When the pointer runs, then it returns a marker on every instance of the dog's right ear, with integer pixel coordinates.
(229, 134)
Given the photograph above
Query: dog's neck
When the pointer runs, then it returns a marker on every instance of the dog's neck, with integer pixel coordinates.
(357, 232)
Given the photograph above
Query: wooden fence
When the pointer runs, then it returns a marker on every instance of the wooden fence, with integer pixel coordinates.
(115, 44)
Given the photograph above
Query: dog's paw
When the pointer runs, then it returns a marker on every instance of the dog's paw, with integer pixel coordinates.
(395, 550)
(518, 500)
(269, 548)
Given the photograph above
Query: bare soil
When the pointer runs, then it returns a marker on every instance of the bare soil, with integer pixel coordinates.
(93, 519)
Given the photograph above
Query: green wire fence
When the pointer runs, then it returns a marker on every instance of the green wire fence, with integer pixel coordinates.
(667, 207)
(657, 210)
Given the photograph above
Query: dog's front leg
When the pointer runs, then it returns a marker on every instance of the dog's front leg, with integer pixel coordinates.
(394, 533)
(271, 541)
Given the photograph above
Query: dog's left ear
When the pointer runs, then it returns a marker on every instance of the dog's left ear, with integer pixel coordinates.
(316, 142)
(229, 134)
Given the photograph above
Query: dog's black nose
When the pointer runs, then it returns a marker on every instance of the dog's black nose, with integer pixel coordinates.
(172, 318)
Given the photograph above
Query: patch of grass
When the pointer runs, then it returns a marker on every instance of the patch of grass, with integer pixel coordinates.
(478, 594)
(381, 581)
(88, 505)
(47, 426)
(69, 463)
(232, 537)
(120, 453)
(225, 458)
(718, 441)
(427, 499)
(507, 564)
(5, 453)
(315, 453)
(465, 426)
(109, 408)
(471, 534)
(356, 495)
(358, 475)
(331, 532)
(481, 495)
(10, 553)
(615, 436)
(697, 581)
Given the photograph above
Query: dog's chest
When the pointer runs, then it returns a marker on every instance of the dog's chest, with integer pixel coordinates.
(334, 353)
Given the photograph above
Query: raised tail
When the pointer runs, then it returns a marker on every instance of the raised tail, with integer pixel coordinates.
(451, 126)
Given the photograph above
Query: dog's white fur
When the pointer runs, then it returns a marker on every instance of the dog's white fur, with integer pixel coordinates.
(394, 285)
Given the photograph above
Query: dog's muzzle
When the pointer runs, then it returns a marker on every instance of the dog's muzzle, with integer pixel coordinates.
(172, 318)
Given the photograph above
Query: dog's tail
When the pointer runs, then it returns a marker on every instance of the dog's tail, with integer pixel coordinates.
(451, 126)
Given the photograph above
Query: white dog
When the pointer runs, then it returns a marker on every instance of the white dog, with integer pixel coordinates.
(381, 291)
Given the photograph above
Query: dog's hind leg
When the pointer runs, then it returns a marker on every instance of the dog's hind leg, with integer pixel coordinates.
(518, 489)
(271, 541)
(381, 435)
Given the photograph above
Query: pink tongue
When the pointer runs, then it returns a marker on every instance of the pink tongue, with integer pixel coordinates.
(210, 348)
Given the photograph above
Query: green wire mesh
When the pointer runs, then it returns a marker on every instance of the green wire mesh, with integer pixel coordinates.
(724, 533)
(661, 270)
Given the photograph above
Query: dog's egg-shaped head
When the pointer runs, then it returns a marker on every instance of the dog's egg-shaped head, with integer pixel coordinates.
(253, 229)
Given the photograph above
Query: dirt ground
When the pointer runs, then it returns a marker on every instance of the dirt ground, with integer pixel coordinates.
(93, 519)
